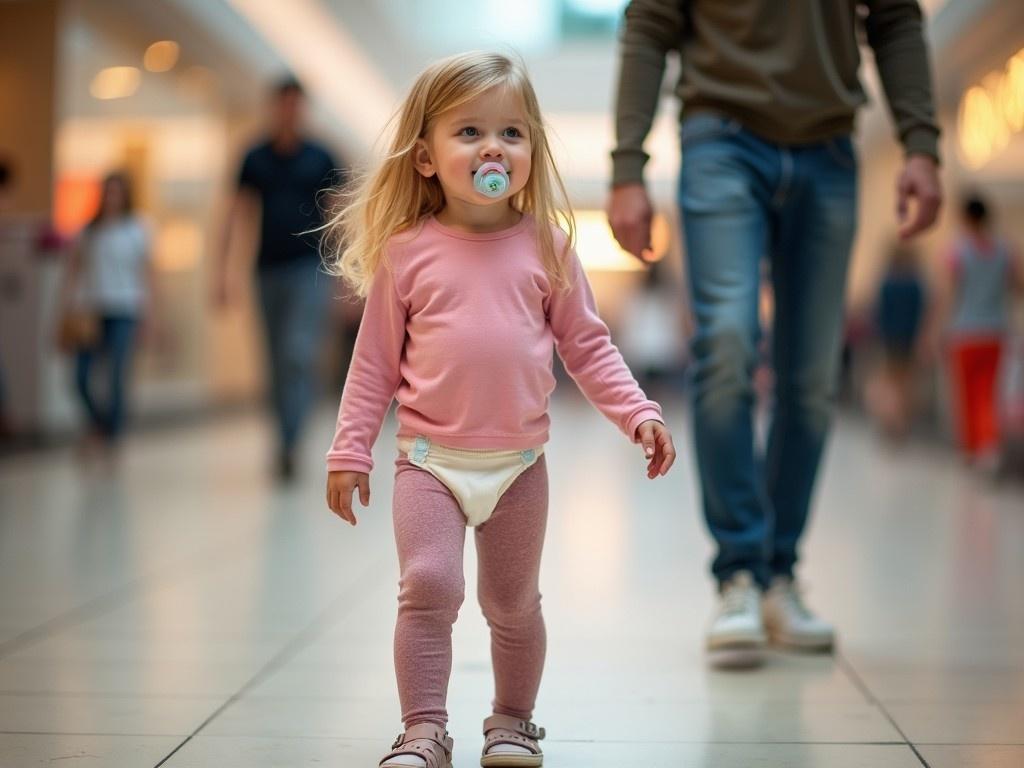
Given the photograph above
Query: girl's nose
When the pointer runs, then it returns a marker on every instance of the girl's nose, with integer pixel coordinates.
(491, 150)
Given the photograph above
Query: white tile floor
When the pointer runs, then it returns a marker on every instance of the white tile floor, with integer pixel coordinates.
(182, 611)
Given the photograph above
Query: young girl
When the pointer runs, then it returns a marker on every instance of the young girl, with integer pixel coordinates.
(976, 299)
(468, 280)
(110, 277)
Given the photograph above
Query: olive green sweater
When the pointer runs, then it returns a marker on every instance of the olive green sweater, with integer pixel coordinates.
(785, 69)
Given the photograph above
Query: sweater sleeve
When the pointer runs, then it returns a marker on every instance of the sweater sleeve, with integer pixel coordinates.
(651, 29)
(586, 349)
(373, 377)
(895, 34)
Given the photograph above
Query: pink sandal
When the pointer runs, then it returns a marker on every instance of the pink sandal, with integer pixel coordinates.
(505, 729)
(426, 740)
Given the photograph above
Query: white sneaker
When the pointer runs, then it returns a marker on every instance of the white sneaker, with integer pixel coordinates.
(737, 637)
(788, 621)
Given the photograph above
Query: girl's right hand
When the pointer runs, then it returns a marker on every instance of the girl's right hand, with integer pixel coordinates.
(339, 493)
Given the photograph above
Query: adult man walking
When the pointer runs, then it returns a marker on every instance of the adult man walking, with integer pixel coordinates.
(279, 183)
(769, 90)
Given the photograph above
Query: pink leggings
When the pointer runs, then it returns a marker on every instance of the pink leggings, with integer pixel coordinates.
(430, 531)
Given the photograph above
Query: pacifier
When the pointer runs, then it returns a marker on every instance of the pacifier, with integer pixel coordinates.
(491, 180)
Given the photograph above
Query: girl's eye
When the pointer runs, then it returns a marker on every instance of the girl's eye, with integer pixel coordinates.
(469, 131)
(513, 133)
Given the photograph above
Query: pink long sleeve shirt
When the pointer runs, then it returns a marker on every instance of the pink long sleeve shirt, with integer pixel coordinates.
(459, 330)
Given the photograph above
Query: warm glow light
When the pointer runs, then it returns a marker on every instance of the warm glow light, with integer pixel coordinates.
(599, 251)
(992, 112)
(191, 151)
(76, 199)
(161, 56)
(1013, 106)
(178, 246)
(115, 82)
(198, 81)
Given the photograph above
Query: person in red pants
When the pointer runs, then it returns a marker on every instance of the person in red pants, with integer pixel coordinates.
(981, 268)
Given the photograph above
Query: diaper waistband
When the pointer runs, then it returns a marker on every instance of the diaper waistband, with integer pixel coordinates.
(417, 449)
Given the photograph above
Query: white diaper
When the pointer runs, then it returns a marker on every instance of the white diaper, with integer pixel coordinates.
(477, 479)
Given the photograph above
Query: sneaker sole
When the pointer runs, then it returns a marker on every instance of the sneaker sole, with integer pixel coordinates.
(737, 655)
(802, 644)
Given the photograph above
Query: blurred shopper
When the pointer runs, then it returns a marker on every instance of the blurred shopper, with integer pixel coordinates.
(899, 315)
(980, 270)
(279, 182)
(769, 92)
(652, 334)
(107, 294)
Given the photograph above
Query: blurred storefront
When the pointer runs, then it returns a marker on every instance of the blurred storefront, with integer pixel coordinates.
(978, 59)
(977, 51)
(153, 91)
(173, 91)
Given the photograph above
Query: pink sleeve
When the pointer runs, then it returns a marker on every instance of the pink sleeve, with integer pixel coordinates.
(373, 377)
(586, 348)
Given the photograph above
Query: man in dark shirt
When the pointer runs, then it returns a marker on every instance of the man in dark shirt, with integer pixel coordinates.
(280, 180)
(769, 91)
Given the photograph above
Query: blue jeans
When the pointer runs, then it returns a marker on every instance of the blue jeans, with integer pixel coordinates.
(115, 345)
(744, 199)
(293, 299)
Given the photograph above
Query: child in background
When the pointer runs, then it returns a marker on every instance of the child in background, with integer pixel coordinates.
(899, 310)
(456, 242)
(981, 270)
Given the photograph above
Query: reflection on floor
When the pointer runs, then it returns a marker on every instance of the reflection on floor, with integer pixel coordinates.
(183, 611)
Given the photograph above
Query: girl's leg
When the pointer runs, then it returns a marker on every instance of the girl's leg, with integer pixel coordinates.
(83, 382)
(430, 531)
(120, 333)
(975, 374)
(959, 358)
(509, 547)
(986, 395)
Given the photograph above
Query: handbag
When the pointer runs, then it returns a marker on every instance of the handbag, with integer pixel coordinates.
(78, 329)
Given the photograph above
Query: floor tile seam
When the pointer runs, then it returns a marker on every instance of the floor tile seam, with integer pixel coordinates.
(550, 741)
(359, 587)
(95, 733)
(970, 743)
(112, 695)
(719, 742)
(845, 664)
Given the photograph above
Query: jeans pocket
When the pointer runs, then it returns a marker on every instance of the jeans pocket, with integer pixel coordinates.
(842, 152)
(704, 127)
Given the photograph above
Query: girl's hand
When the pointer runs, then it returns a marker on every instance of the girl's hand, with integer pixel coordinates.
(657, 444)
(339, 493)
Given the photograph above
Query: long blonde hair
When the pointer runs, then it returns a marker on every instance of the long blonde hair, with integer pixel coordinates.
(395, 197)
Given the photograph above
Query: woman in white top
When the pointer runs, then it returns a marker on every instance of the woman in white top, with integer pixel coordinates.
(110, 275)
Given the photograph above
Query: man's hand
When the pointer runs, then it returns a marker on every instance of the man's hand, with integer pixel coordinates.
(339, 493)
(630, 214)
(919, 182)
(656, 441)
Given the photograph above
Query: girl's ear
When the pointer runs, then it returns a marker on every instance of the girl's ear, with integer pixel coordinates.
(421, 159)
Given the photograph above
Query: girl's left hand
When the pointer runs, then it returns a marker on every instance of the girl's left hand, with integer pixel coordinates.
(656, 441)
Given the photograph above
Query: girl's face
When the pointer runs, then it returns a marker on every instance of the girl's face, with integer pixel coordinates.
(491, 128)
(114, 198)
